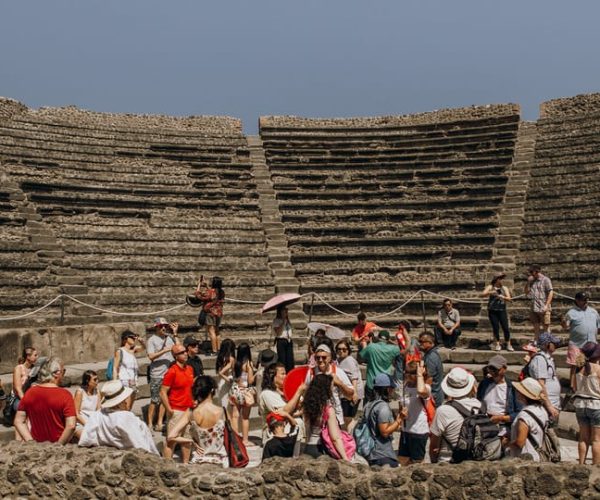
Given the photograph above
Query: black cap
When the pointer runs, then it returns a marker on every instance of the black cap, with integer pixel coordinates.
(189, 340)
(582, 296)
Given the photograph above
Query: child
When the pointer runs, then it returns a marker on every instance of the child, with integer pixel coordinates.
(281, 444)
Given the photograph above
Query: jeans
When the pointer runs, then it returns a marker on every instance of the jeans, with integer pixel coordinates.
(499, 319)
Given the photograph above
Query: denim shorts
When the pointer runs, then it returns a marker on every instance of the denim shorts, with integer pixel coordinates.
(588, 416)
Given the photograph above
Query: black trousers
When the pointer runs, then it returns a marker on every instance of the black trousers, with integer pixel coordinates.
(285, 353)
(446, 340)
(499, 319)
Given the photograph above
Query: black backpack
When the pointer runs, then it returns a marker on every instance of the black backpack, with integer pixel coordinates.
(478, 438)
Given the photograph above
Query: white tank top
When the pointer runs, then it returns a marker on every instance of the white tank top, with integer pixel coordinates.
(128, 369)
(89, 404)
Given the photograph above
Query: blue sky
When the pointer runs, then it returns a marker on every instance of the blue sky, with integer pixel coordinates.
(309, 58)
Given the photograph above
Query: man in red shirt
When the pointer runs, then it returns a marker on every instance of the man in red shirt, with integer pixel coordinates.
(176, 396)
(49, 408)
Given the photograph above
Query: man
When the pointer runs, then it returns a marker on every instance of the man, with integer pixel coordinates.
(447, 329)
(539, 289)
(583, 324)
(362, 329)
(543, 369)
(498, 394)
(48, 407)
(433, 363)
(380, 357)
(193, 347)
(176, 397)
(115, 425)
(341, 382)
(158, 348)
(459, 387)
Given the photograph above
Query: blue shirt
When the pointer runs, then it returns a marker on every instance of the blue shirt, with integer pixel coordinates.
(583, 325)
(435, 370)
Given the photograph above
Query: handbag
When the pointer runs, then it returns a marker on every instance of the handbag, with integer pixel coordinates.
(10, 409)
(242, 396)
(234, 446)
(347, 439)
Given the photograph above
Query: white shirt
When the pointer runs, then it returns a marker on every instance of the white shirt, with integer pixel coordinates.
(416, 423)
(269, 401)
(119, 429)
(128, 368)
(337, 403)
(495, 399)
(534, 430)
(447, 423)
(286, 332)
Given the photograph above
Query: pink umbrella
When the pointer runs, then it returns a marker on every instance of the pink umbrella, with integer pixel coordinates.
(280, 300)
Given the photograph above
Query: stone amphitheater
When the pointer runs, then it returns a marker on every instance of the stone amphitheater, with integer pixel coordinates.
(111, 218)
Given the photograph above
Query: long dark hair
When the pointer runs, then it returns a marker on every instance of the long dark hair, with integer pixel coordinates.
(203, 386)
(217, 284)
(268, 383)
(244, 354)
(226, 351)
(317, 396)
(85, 378)
(25, 354)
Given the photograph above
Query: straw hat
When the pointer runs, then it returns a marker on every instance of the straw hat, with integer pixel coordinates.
(530, 388)
(113, 392)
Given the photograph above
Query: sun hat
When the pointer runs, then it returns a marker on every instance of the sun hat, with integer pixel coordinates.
(114, 392)
(591, 350)
(324, 348)
(530, 388)
(160, 321)
(458, 383)
(384, 380)
(547, 338)
(267, 357)
(530, 348)
(274, 418)
(497, 362)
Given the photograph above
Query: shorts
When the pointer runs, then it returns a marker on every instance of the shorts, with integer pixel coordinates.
(176, 417)
(155, 384)
(213, 320)
(413, 445)
(588, 416)
(572, 353)
(542, 318)
(349, 409)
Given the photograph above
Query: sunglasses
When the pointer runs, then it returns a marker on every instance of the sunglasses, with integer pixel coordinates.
(341, 349)
(321, 358)
(180, 353)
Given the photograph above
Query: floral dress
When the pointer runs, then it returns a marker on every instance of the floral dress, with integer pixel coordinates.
(212, 443)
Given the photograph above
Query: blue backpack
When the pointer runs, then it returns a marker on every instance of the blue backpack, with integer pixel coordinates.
(109, 368)
(363, 435)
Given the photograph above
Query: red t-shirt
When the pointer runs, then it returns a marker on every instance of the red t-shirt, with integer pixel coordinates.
(47, 409)
(361, 331)
(180, 381)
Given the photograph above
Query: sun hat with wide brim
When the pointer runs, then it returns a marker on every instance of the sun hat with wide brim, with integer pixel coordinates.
(458, 383)
(530, 388)
(114, 392)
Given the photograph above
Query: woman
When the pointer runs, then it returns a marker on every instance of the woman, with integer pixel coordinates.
(224, 368)
(207, 426)
(272, 399)
(349, 364)
(498, 295)
(86, 399)
(318, 412)
(242, 391)
(125, 365)
(587, 401)
(528, 427)
(20, 375)
(212, 298)
(282, 328)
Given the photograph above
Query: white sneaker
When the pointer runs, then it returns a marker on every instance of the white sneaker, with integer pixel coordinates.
(509, 347)
(497, 347)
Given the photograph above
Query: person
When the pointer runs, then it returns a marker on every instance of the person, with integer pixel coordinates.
(539, 289)
(282, 329)
(282, 444)
(224, 367)
(212, 305)
(125, 366)
(176, 395)
(498, 295)
(381, 421)
(341, 384)
(363, 328)
(409, 351)
(86, 399)
(312, 344)
(115, 425)
(242, 393)
(380, 357)
(206, 426)
(49, 407)
(527, 431)
(498, 394)
(583, 324)
(459, 387)
(587, 401)
(433, 365)
(447, 328)
(415, 431)
(543, 369)
(265, 358)
(159, 353)
(272, 399)
(318, 412)
(192, 346)
(21, 373)
(350, 366)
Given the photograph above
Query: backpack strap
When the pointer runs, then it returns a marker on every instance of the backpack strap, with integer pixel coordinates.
(464, 413)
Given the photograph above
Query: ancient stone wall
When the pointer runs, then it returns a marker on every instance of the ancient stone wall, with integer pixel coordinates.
(569, 106)
(10, 107)
(34, 470)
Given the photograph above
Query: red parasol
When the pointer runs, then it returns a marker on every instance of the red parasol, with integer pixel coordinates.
(294, 379)
(280, 300)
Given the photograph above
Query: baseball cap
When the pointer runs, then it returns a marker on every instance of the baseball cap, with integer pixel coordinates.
(497, 362)
(189, 340)
(324, 348)
(384, 335)
(384, 380)
(160, 321)
(274, 418)
(582, 296)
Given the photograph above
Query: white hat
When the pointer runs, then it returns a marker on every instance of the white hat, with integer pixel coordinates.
(323, 348)
(113, 392)
(458, 383)
(530, 388)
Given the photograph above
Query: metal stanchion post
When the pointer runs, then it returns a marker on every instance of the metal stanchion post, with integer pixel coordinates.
(62, 310)
(312, 301)
(423, 312)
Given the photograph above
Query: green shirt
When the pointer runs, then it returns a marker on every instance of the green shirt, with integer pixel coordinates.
(380, 358)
